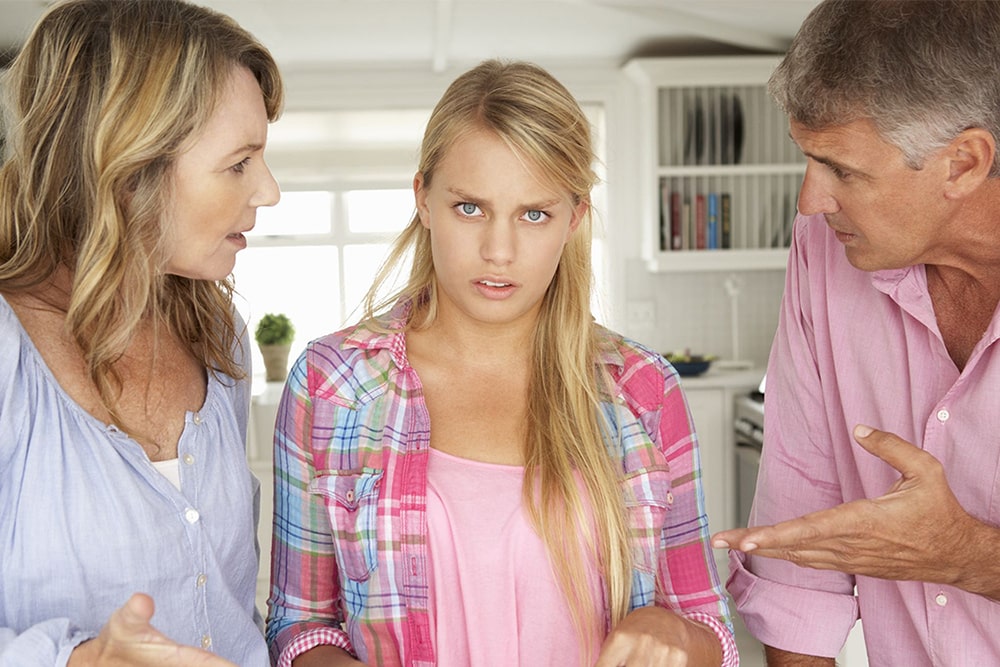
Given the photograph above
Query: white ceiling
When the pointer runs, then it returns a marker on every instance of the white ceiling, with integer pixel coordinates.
(439, 34)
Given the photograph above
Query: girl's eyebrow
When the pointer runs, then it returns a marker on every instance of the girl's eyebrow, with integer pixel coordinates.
(531, 206)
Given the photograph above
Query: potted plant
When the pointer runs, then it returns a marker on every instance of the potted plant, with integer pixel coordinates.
(274, 336)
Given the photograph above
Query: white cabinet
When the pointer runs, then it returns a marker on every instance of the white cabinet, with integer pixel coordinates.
(711, 399)
(720, 176)
(712, 422)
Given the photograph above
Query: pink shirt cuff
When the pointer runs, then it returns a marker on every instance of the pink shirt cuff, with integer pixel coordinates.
(311, 639)
(730, 654)
(784, 616)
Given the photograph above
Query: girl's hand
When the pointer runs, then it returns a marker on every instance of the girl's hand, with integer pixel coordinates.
(653, 636)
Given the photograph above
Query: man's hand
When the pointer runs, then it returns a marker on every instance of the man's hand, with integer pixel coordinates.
(128, 638)
(916, 531)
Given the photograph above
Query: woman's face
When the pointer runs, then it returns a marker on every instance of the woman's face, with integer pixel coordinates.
(497, 232)
(218, 183)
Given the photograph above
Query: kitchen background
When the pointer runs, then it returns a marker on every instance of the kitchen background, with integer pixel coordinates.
(396, 57)
(661, 80)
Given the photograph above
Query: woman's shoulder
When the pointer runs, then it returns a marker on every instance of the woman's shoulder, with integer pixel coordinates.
(13, 335)
(641, 374)
(629, 355)
(352, 364)
(354, 341)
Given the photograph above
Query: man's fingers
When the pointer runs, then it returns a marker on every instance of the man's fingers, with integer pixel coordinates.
(726, 539)
(789, 534)
(889, 447)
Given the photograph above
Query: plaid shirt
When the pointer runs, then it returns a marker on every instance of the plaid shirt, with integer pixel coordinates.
(349, 553)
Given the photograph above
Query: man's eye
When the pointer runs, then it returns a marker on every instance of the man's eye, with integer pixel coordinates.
(839, 173)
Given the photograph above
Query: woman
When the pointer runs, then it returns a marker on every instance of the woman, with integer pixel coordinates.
(134, 167)
(477, 473)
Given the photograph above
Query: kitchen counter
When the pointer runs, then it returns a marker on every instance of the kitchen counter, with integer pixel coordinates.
(724, 379)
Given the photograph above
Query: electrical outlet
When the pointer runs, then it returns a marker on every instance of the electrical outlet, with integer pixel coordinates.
(640, 314)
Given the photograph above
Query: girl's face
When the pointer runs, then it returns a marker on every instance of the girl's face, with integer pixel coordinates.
(496, 232)
(218, 183)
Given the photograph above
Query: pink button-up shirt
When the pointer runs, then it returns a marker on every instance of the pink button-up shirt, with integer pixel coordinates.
(855, 347)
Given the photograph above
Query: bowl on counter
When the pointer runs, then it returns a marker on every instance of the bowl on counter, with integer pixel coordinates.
(689, 365)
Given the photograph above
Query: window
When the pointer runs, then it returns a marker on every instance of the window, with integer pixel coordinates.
(346, 193)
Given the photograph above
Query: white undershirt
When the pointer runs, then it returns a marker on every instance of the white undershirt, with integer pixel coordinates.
(170, 469)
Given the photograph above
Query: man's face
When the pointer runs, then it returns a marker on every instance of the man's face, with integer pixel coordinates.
(887, 214)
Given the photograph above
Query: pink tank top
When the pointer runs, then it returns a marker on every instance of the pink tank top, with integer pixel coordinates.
(494, 597)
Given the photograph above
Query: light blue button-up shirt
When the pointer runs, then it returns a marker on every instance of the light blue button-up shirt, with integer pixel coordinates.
(86, 520)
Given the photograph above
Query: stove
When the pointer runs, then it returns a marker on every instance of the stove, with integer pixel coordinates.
(748, 426)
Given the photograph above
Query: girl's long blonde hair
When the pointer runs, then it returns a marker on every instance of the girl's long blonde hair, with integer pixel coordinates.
(567, 434)
(100, 101)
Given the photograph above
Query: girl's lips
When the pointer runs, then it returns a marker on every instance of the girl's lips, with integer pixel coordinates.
(494, 289)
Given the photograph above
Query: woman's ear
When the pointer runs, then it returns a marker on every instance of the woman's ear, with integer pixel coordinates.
(970, 160)
(579, 211)
(420, 195)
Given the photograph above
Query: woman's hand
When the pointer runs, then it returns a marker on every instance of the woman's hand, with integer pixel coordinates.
(655, 636)
(129, 639)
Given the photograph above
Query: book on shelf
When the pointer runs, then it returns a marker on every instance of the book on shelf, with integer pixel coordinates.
(664, 217)
(671, 218)
(725, 221)
(712, 222)
(676, 221)
(687, 225)
(700, 222)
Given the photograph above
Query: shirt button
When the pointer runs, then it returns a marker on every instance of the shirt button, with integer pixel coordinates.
(670, 498)
(350, 496)
(191, 515)
(943, 415)
(196, 419)
(188, 459)
(941, 599)
(201, 580)
(206, 641)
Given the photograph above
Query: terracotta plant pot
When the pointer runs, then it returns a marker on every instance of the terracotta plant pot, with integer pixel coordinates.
(275, 361)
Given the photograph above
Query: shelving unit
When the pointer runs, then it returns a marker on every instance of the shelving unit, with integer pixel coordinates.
(722, 175)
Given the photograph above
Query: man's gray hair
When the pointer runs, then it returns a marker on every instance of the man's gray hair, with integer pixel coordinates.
(921, 70)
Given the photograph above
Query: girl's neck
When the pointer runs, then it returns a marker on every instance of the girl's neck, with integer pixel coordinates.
(479, 341)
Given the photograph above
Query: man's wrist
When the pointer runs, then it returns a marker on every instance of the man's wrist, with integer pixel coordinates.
(979, 569)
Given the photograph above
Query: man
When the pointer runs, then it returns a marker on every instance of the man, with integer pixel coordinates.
(888, 322)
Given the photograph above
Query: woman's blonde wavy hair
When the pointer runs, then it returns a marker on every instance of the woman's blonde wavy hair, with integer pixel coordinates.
(100, 101)
(541, 122)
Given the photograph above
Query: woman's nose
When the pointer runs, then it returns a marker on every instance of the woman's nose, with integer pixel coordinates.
(268, 192)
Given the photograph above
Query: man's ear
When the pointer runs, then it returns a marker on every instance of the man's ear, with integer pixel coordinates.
(420, 195)
(970, 159)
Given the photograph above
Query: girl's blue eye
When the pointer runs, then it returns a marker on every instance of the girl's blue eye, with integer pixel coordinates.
(468, 209)
(535, 216)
